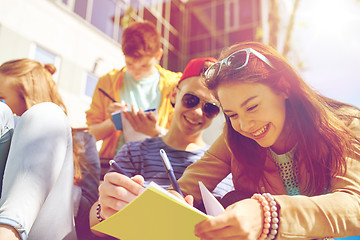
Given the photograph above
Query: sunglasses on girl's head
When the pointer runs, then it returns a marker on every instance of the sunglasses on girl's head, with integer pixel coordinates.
(236, 60)
(209, 109)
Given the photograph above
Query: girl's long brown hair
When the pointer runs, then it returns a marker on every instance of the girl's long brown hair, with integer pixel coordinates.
(34, 83)
(320, 124)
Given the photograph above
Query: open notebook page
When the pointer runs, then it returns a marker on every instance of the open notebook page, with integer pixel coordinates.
(212, 206)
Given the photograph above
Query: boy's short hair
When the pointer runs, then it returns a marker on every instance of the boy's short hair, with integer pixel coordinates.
(140, 39)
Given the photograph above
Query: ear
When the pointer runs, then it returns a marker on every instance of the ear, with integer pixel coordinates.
(286, 86)
(284, 95)
(159, 54)
(173, 96)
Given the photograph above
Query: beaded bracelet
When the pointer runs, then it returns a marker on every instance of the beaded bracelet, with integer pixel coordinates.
(274, 216)
(98, 210)
(271, 220)
(267, 215)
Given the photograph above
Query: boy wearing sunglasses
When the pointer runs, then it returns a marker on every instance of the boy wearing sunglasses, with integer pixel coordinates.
(140, 162)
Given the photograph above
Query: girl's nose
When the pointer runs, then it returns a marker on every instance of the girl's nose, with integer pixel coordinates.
(246, 125)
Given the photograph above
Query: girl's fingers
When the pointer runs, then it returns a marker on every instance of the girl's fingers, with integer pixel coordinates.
(213, 224)
(224, 233)
(189, 199)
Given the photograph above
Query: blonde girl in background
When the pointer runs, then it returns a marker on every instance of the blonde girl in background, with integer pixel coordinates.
(52, 173)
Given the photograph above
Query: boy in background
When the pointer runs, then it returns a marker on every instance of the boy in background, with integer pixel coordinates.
(141, 84)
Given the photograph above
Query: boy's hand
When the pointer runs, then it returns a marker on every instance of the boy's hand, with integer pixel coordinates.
(143, 122)
(115, 107)
(117, 191)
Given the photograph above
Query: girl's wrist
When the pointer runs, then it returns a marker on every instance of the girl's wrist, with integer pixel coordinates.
(270, 215)
(274, 215)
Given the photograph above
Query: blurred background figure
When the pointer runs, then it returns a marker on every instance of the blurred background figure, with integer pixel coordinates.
(25, 83)
(141, 85)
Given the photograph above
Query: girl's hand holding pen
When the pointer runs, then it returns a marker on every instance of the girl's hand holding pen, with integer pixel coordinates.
(117, 190)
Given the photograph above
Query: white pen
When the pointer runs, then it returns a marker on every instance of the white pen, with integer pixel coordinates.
(170, 171)
(116, 167)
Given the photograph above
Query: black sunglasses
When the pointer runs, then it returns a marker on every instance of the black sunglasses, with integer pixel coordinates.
(209, 109)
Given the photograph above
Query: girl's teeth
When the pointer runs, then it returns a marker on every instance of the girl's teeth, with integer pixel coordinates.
(261, 131)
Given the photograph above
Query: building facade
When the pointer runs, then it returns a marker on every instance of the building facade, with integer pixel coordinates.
(82, 37)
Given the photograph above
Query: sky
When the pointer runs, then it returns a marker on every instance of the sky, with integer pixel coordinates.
(326, 39)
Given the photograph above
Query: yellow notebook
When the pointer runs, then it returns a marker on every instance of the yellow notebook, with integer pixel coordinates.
(155, 214)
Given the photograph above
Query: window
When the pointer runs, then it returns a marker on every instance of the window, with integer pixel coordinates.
(231, 19)
(81, 7)
(102, 16)
(44, 56)
(90, 84)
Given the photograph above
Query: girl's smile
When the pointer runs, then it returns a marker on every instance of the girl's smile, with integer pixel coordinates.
(257, 112)
(260, 133)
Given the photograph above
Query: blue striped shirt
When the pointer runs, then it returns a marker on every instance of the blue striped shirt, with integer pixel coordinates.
(143, 158)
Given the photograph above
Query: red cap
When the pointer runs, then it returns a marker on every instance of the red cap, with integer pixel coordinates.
(193, 68)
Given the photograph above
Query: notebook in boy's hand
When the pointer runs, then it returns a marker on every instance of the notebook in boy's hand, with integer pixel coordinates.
(129, 133)
(117, 120)
(155, 214)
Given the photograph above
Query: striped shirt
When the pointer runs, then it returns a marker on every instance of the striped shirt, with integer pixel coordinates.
(143, 158)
